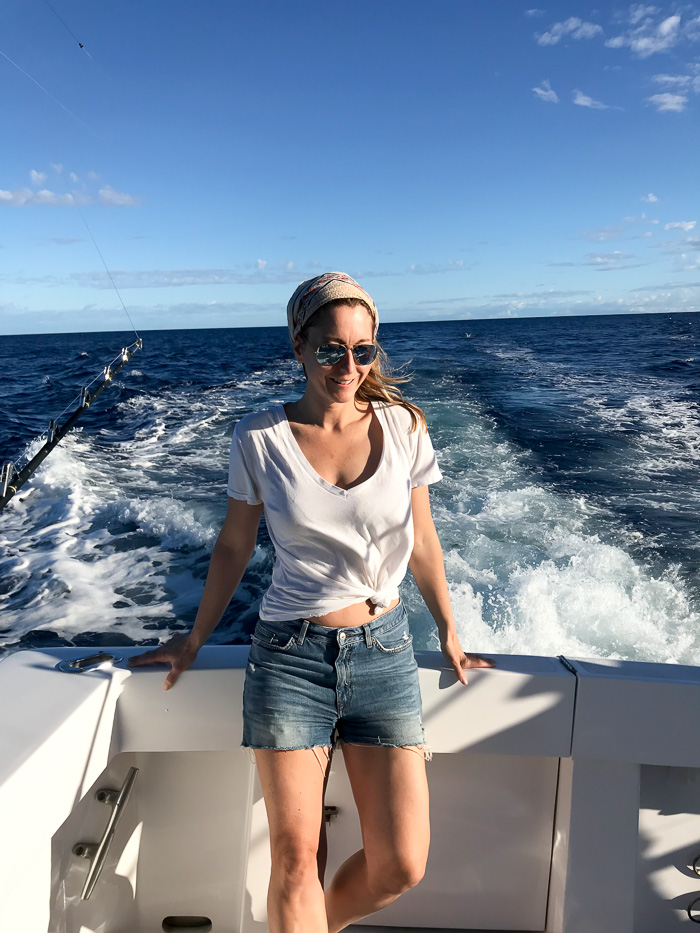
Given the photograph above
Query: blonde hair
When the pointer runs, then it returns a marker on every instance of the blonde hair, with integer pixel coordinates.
(379, 384)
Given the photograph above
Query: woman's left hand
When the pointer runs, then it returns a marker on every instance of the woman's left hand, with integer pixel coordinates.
(461, 661)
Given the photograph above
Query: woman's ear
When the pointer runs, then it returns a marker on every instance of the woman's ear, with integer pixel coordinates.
(297, 347)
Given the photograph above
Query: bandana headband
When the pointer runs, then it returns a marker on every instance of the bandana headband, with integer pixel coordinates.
(314, 293)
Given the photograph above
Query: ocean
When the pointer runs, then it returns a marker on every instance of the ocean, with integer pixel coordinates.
(568, 511)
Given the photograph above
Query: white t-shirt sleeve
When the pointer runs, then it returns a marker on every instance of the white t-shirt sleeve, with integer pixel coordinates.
(241, 482)
(424, 465)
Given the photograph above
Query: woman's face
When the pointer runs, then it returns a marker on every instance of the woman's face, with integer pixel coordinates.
(340, 324)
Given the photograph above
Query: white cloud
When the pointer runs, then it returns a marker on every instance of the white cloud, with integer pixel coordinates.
(545, 92)
(647, 38)
(650, 198)
(673, 102)
(584, 101)
(37, 178)
(574, 27)
(605, 233)
(56, 166)
(615, 256)
(686, 225)
(260, 263)
(73, 177)
(453, 265)
(534, 12)
(679, 81)
(116, 198)
(669, 25)
(92, 176)
(25, 196)
(640, 11)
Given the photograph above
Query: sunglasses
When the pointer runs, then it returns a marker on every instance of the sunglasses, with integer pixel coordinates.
(328, 354)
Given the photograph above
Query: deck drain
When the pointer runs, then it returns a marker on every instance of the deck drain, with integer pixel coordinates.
(201, 924)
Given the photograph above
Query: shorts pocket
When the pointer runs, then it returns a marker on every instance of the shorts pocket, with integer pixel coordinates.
(393, 643)
(268, 638)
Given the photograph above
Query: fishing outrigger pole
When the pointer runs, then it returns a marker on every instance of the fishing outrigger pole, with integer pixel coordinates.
(12, 479)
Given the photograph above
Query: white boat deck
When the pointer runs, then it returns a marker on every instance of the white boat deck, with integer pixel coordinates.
(565, 798)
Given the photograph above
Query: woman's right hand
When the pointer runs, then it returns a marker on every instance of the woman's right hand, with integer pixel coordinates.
(179, 652)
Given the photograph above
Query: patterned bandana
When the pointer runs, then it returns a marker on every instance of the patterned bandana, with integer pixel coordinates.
(310, 295)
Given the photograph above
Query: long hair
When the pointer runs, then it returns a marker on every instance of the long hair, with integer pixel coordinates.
(380, 384)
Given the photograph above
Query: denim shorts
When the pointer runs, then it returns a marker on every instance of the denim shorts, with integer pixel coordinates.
(310, 685)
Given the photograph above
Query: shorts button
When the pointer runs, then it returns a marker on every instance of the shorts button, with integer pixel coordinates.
(342, 636)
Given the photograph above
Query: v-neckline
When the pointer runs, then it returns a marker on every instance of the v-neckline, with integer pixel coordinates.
(301, 456)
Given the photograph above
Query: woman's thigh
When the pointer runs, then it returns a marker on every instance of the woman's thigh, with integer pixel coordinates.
(390, 788)
(293, 786)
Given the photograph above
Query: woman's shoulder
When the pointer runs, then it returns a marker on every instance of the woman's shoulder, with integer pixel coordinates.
(256, 421)
(396, 413)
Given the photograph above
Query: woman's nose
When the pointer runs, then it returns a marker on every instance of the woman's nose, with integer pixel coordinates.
(347, 364)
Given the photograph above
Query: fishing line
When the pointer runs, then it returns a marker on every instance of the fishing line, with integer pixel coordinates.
(65, 24)
(99, 253)
(50, 95)
(12, 478)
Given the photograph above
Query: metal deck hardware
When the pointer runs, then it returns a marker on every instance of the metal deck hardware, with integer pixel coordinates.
(91, 663)
(97, 853)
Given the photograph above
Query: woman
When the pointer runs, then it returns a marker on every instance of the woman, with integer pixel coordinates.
(343, 475)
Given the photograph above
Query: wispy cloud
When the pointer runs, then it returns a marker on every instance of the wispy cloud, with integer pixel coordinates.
(37, 178)
(545, 92)
(648, 36)
(682, 82)
(453, 265)
(555, 303)
(605, 233)
(674, 102)
(108, 195)
(612, 260)
(603, 262)
(549, 294)
(640, 11)
(685, 225)
(23, 197)
(534, 12)
(573, 27)
(650, 198)
(582, 100)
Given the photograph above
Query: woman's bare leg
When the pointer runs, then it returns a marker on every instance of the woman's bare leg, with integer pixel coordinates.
(390, 788)
(293, 786)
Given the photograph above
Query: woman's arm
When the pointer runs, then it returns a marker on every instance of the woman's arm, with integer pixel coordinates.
(229, 559)
(232, 551)
(428, 568)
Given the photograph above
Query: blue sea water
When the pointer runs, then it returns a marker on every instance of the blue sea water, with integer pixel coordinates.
(568, 512)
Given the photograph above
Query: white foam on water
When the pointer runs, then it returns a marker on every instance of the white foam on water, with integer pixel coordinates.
(113, 537)
(532, 571)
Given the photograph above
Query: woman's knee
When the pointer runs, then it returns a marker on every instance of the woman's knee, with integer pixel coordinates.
(294, 861)
(395, 876)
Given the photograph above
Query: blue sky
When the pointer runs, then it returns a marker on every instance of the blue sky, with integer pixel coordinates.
(461, 159)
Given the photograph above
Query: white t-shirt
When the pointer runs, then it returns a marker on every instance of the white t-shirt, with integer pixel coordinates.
(334, 547)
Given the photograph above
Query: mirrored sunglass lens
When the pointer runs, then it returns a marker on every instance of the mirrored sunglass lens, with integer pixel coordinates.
(364, 354)
(330, 353)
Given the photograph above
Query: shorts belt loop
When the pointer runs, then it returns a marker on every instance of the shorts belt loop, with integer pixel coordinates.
(302, 632)
(368, 637)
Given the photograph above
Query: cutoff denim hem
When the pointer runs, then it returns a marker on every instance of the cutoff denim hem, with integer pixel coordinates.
(310, 685)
